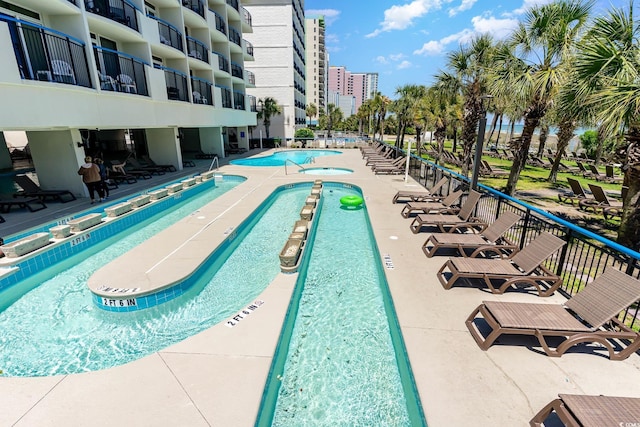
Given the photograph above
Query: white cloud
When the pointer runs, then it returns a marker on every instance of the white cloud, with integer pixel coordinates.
(396, 57)
(382, 60)
(430, 48)
(403, 65)
(400, 17)
(330, 15)
(465, 5)
(526, 4)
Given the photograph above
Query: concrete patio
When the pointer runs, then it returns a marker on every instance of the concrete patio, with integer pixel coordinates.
(216, 378)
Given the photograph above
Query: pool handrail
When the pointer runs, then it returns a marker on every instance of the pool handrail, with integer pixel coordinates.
(214, 160)
(286, 172)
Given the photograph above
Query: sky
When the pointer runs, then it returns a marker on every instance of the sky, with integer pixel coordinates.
(407, 42)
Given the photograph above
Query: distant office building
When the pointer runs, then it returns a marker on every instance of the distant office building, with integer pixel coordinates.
(346, 103)
(362, 86)
(279, 41)
(317, 64)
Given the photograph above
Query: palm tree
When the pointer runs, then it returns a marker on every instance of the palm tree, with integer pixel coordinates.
(311, 111)
(608, 66)
(267, 108)
(532, 66)
(334, 115)
(380, 106)
(405, 108)
(364, 115)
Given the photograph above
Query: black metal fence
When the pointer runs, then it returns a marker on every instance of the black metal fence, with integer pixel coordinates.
(221, 25)
(48, 55)
(176, 83)
(223, 62)
(234, 4)
(197, 49)
(169, 34)
(248, 47)
(238, 100)
(236, 70)
(201, 91)
(117, 10)
(246, 16)
(196, 5)
(586, 254)
(119, 72)
(225, 93)
(251, 78)
(234, 36)
(253, 105)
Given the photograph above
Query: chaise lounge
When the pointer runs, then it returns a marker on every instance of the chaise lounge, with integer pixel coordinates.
(524, 268)
(444, 206)
(450, 223)
(31, 189)
(575, 410)
(590, 316)
(490, 241)
(431, 194)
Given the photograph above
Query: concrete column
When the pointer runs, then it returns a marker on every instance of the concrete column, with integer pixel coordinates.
(164, 146)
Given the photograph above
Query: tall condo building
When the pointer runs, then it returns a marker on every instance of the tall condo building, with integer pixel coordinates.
(279, 41)
(317, 64)
(118, 78)
(362, 86)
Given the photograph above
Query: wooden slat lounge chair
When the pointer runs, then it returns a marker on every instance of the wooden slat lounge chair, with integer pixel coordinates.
(524, 268)
(578, 195)
(590, 316)
(443, 206)
(119, 176)
(151, 169)
(611, 175)
(31, 189)
(491, 240)
(210, 156)
(33, 204)
(584, 170)
(576, 410)
(431, 194)
(608, 207)
(494, 171)
(450, 223)
(386, 163)
(167, 167)
(390, 169)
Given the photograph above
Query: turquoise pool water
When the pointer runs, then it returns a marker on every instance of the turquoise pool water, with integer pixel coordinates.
(326, 171)
(341, 359)
(300, 157)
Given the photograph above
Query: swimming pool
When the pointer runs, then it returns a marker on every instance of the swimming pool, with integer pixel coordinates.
(279, 158)
(326, 171)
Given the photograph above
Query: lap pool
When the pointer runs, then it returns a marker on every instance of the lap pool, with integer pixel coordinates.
(279, 158)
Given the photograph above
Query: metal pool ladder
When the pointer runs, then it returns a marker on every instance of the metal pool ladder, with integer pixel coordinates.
(215, 160)
(286, 172)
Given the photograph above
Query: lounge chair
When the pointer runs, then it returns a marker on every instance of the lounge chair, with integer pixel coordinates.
(611, 175)
(381, 163)
(443, 206)
(449, 223)
(33, 204)
(422, 196)
(121, 168)
(31, 189)
(578, 195)
(493, 171)
(202, 155)
(392, 167)
(590, 316)
(490, 241)
(524, 268)
(119, 176)
(608, 207)
(167, 167)
(584, 170)
(151, 169)
(235, 149)
(583, 410)
(595, 173)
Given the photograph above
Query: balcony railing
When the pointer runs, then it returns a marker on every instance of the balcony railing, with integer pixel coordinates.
(225, 92)
(234, 4)
(117, 10)
(238, 100)
(197, 49)
(169, 34)
(248, 47)
(176, 83)
(196, 5)
(251, 78)
(253, 105)
(236, 70)
(120, 72)
(73, 2)
(46, 54)
(220, 24)
(246, 16)
(234, 36)
(201, 91)
(223, 62)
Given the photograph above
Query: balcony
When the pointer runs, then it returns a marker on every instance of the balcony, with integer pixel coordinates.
(221, 25)
(238, 100)
(120, 11)
(236, 70)
(248, 47)
(120, 72)
(251, 78)
(195, 5)
(197, 49)
(234, 36)
(169, 34)
(225, 94)
(223, 63)
(47, 54)
(253, 105)
(176, 83)
(201, 91)
(234, 4)
(246, 18)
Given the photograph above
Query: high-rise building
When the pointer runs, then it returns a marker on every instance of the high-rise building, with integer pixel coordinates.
(279, 41)
(362, 86)
(123, 77)
(317, 64)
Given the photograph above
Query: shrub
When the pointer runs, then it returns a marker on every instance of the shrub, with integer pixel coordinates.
(304, 133)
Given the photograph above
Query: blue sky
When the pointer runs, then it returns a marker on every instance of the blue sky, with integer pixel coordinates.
(407, 42)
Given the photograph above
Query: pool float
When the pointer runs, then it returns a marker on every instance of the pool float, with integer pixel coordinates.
(351, 201)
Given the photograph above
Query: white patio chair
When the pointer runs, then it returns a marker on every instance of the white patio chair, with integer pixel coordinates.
(62, 71)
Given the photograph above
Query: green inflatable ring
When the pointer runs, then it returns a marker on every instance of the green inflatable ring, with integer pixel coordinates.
(351, 201)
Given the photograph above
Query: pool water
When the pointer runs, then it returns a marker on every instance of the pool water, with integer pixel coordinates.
(279, 158)
(326, 171)
(341, 364)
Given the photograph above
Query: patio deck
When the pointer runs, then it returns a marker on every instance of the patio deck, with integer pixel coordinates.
(217, 376)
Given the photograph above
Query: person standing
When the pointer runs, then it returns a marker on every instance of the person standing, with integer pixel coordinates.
(90, 173)
(103, 177)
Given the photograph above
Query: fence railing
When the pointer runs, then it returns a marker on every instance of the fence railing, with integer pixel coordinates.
(201, 91)
(238, 100)
(196, 5)
(586, 254)
(221, 25)
(120, 72)
(48, 55)
(117, 10)
(176, 83)
(253, 105)
(236, 70)
(251, 77)
(169, 34)
(197, 49)
(223, 62)
(234, 4)
(225, 93)
(248, 47)
(246, 16)
(234, 36)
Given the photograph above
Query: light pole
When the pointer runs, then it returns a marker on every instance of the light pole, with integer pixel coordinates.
(477, 160)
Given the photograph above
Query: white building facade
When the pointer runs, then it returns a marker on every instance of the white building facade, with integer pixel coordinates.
(279, 41)
(110, 77)
(317, 65)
